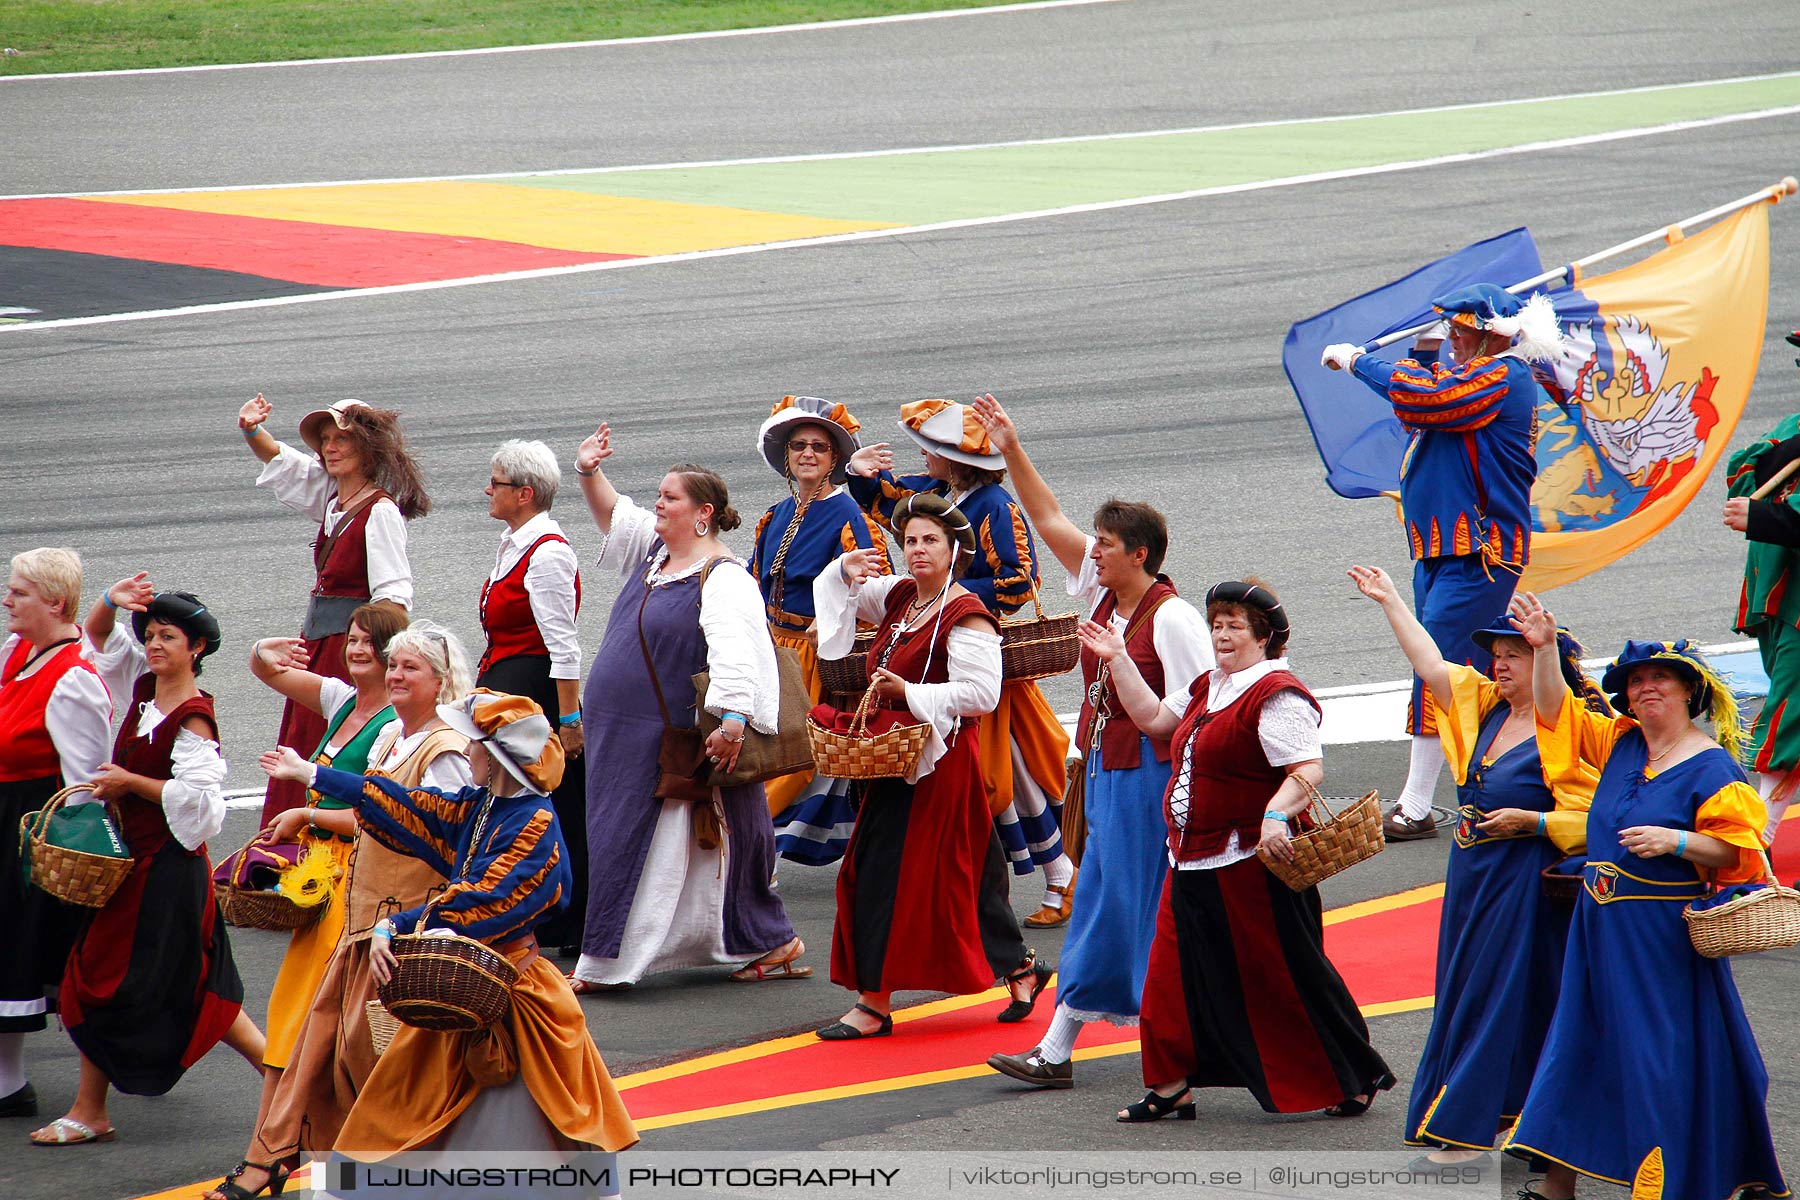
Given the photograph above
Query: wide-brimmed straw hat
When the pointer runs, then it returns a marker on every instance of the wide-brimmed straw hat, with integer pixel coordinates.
(184, 611)
(950, 430)
(792, 411)
(515, 730)
(312, 425)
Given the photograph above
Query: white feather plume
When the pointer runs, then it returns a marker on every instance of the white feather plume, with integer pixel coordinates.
(1538, 333)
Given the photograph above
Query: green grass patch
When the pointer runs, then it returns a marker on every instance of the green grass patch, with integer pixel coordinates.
(105, 35)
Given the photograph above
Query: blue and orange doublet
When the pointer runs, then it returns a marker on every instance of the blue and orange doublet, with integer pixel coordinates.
(501, 889)
(1005, 566)
(834, 525)
(1465, 481)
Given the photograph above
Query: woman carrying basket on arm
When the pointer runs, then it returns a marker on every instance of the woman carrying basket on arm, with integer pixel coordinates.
(534, 1082)
(1023, 745)
(1650, 1075)
(809, 443)
(55, 721)
(1115, 571)
(362, 487)
(1500, 941)
(917, 908)
(1239, 992)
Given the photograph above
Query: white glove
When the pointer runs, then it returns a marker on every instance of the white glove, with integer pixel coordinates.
(1340, 356)
(1437, 333)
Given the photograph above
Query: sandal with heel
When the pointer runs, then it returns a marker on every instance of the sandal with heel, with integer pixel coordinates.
(230, 1189)
(1155, 1106)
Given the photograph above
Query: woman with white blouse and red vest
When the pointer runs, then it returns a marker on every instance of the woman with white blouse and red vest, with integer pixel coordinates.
(54, 718)
(528, 607)
(1133, 611)
(1239, 992)
(362, 488)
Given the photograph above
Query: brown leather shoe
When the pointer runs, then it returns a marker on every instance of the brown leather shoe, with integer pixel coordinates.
(1030, 1068)
(1396, 827)
(1049, 916)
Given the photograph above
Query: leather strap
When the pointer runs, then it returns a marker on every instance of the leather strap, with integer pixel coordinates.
(644, 643)
(322, 548)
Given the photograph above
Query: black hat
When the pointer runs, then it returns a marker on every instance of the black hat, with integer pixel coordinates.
(184, 611)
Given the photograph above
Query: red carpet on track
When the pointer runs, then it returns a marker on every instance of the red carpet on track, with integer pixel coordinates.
(334, 256)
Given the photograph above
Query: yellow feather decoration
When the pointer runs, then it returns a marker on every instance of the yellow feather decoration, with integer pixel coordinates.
(308, 882)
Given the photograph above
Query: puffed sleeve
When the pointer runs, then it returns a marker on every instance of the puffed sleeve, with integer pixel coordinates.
(425, 822)
(79, 718)
(1004, 543)
(384, 539)
(193, 799)
(1472, 697)
(973, 689)
(740, 656)
(878, 494)
(839, 606)
(1737, 815)
(448, 772)
(119, 659)
(628, 545)
(550, 586)
(1288, 728)
(526, 882)
(1183, 643)
(298, 480)
(1577, 745)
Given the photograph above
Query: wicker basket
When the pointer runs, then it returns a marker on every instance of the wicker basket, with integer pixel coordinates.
(448, 983)
(859, 754)
(1335, 843)
(382, 1026)
(1561, 889)
(1768, 919)
(87, 880)
(248, 908)
(848, 675)
(1039, 647)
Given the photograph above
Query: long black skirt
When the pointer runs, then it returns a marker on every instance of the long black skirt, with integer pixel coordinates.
(39, 928)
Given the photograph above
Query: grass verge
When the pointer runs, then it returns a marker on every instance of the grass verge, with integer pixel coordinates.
(41, 36)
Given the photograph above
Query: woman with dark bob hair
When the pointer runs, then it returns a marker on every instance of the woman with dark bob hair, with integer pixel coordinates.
(921, 895)
(1239, 992)
(362, 487)
(676, 880)
(150, 986)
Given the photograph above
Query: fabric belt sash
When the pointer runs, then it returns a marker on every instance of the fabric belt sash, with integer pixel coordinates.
(1468, 837)
(1606, 882)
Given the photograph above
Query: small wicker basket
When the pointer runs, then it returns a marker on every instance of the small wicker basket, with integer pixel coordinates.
(248, 908)
(382, 1026)
(859, 754)
(848, 675)
(74, 877)
(1336, 842)
(448, 983)
(1768, 919)
(1039, 647)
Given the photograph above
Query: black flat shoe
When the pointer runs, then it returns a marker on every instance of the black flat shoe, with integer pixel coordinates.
(1018, 1010)
(843, 1031)
(1154, 1108)
(1350, 1106)
(22, 1103)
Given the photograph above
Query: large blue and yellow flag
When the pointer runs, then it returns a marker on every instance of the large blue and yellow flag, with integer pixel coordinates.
(1655, 371)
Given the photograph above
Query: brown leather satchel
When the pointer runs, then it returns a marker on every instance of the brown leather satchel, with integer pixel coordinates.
(765, 756)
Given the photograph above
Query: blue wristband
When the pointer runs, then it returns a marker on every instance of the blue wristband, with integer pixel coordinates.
(1272, 815)
(1543, 823)
(250, 433)
(740, 718)
(1681, 843)
(568, 720)
(106, 599)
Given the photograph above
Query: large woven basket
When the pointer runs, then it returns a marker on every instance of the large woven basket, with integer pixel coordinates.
(859, 754)
(1336, 842)
(448, 983)
(248, 908)
(382, 1026)
(849, 675)
(1768, 919)
(1039, 647)
(74, 877)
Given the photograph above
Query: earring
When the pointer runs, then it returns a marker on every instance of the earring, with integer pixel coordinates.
(699, 528)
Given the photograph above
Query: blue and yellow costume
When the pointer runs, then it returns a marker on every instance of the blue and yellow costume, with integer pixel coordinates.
(509, 871)
(1650, 1076)
(1500, 943)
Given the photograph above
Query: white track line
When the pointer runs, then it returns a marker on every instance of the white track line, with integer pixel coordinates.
(842, 155)
(908, 230)
(698, 35)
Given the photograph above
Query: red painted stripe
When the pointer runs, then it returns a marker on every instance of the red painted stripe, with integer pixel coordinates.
(297, 251)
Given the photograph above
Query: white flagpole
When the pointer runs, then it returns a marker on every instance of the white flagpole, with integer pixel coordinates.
(1772, 194)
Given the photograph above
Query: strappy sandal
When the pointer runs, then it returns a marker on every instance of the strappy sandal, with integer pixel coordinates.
(843, 1031)
(1018, 1010)
(1351, 1106)
(61, 1129)
(786, 967)
(230, 1189)
(1154, 1107)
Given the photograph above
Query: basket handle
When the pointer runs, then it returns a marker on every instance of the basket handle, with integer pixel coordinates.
(1315, 802)
(859, 723)
(40, 822)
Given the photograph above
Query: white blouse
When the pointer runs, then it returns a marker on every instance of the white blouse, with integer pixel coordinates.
(740, 655)
(974, 658)
(550, 586)
(193, 799)
(448, 772)
(1182, 640)
(1287, 727)
(78, 716)
(300, 482)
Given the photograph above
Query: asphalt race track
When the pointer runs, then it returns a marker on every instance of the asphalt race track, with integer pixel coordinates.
(1137, 348)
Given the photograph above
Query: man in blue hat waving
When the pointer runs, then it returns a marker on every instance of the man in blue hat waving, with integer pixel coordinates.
(1465, 484)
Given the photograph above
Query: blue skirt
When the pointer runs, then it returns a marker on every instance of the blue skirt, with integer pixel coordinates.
(815, 829)
(1107, 951)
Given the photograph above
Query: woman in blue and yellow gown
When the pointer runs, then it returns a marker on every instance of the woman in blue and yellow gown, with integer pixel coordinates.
(1650, 1076)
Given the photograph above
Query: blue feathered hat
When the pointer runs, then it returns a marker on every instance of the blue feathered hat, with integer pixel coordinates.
(1711, 697)
(1531, 324)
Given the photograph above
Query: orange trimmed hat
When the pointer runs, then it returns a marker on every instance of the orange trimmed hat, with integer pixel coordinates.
(792, 411)
(515, 730)
(950, 430)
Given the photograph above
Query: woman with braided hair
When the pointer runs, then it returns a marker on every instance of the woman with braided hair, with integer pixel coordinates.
(809, 443)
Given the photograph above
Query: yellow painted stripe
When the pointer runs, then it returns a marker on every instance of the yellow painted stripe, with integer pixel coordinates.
(560, 220)
(1381, 904)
